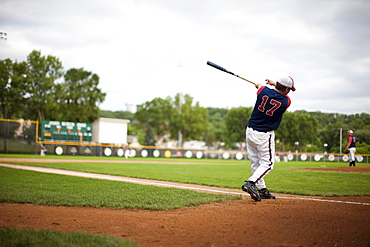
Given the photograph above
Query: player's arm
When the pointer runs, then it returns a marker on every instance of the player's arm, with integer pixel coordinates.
(270, 82)
(258, 85)
(348, 144)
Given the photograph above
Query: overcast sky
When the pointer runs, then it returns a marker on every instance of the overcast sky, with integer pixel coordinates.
(143, 49)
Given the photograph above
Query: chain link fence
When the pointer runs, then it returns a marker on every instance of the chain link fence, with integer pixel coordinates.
(18, 136)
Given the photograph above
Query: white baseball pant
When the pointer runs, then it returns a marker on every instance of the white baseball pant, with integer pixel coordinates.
(261, 152)
(352, 152)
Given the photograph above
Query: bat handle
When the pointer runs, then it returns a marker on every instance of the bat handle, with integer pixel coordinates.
(247, 80)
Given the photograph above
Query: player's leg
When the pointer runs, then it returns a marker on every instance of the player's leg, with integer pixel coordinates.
(266, 152)
(249, 186)
(252, 148)
(352, 152)
(266, 149)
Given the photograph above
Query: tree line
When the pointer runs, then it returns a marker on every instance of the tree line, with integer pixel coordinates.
(300, 130)
(39, 89)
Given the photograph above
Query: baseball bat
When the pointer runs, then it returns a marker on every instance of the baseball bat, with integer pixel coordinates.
(229, 72)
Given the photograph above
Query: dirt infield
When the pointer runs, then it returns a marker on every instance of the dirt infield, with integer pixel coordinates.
(286, 221)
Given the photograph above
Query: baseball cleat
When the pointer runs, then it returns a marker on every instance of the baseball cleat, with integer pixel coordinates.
(250, 188)
(265, 194)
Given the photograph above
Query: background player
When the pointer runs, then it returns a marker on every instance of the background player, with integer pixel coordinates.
(266, 117)
(351, 148)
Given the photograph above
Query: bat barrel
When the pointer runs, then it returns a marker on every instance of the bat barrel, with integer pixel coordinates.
(225, 70)
(219, 67)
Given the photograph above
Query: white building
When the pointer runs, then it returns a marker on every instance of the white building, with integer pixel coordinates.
(110, 130)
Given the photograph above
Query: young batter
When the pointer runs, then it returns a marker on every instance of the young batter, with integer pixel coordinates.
(266, 117)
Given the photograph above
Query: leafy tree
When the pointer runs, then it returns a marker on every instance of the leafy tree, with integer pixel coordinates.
(79, 96)
(363, 135)
(216, 130)
(5, 80)
(287, 133)
(307, 131)
(363, 148)
(330, 135)
(190, 120)
(236, 121)
(13, 88)
(117, 114)
(5, 97)
(166, 118)
(324, 119)
(296, 129)
(35, 89)
(155, 118)
(43, 72)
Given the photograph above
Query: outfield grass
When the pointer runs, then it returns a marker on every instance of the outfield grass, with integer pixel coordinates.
(20, 186)
(287, 177)
(88, 157)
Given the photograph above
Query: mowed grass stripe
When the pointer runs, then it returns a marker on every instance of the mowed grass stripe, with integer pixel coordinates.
(20, 186)
(287, 177)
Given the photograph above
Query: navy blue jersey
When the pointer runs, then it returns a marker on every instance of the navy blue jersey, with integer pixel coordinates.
(352, 140)
(268, 110)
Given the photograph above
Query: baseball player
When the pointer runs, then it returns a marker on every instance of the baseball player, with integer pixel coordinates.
(42, 150)
(351, 148)
(127, 152)
(268, 111)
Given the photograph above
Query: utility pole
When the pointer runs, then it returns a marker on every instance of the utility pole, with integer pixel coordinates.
(179, 133)
(179, 65)
(340, 140)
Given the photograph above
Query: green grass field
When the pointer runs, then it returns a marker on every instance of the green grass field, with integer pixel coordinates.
(20, 186)
(287, 177)
(45, 238)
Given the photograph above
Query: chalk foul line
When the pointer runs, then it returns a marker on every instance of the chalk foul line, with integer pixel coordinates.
(159, 183)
